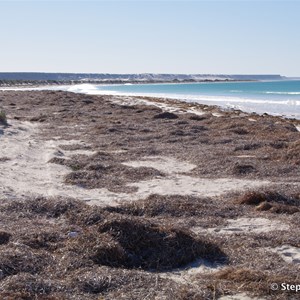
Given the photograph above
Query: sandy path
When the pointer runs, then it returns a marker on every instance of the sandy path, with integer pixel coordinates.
(25, 170)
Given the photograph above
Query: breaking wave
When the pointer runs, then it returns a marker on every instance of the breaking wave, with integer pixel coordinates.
(282, 93)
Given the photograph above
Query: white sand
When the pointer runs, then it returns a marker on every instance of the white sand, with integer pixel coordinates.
(244, 226)
(185, 274)
(175, 183)
(164, 106)
(288, 253)
(164, 164)
(240, 296)
(79, 152)
(187, 185)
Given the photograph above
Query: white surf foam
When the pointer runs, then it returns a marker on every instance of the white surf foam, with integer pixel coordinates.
(283, 93)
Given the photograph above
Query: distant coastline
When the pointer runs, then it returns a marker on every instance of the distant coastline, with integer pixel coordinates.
(37, 79)
(38, 83)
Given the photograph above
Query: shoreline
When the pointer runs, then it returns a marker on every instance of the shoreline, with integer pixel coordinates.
(218, 186)
(247, 105)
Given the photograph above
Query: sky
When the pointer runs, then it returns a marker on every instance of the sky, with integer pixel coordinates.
(195, 37)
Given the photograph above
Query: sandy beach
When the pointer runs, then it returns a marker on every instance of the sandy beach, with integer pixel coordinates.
(111, 197)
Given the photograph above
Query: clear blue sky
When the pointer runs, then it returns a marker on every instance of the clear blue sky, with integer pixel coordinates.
(229, 37)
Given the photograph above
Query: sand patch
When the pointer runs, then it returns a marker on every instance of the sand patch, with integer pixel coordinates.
(184, 275)
(218, 115)
(177, 184)
(196, 111)
(116, 151)
(245, 226)
(179, 108)
(288, 253)
(167, 165)
(187, 185)
(79, 152)
(240, 296)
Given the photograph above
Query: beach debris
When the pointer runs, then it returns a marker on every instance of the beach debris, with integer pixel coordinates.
(87, 101)
(166, 115)
(4, 237)
(241, 169)
(293, 152)
(271, 201)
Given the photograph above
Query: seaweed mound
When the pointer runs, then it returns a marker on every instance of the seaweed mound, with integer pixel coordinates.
(166, 115)
(62, 247)
(150, 246)
(138, 244)
(271, 201)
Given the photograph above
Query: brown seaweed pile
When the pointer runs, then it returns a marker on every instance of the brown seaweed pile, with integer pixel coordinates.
(64, 249)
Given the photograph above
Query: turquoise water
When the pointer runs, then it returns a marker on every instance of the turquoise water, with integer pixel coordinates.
(272, 90)
(273, 97)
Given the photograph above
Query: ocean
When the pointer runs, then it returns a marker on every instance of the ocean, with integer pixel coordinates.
(272, 97)
(281, 98)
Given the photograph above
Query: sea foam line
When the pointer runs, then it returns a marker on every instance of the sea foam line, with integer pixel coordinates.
(282, 93)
